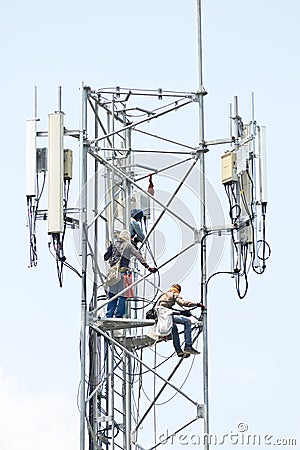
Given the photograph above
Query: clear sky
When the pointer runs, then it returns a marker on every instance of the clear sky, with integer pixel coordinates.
(248, 47)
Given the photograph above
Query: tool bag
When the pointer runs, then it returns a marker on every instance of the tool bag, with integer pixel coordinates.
(114, 275)
(151, 314)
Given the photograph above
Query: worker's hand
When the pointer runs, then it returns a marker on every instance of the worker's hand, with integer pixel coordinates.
(152, 269)
(200, 305)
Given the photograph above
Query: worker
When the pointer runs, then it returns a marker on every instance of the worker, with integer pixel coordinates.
(122, 250)
(136, 232)
(168, 300)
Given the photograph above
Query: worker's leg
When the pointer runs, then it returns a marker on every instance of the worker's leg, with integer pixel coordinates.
(111, 306)
(188, 349)
(175, 336)
(121, 308)
(187, 328)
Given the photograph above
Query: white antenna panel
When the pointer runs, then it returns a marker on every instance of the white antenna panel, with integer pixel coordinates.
(55, 172)
(31, 158)
(242, 156)
(262, 165)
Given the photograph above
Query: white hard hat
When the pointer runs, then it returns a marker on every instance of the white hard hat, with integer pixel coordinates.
(125, 236)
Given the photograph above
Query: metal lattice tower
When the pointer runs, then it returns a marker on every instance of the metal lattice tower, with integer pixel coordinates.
(122, 143)
(110, 396)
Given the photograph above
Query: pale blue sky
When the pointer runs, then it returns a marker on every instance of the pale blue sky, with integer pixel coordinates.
(248, 46)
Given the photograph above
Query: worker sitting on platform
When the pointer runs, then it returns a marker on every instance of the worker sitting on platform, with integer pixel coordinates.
(168, 300)
(121, 251)
(136, 232)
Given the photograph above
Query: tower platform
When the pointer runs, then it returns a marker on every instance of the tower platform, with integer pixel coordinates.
(122, 324)
(117, 326)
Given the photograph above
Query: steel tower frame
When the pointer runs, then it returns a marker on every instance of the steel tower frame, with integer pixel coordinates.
(114, 170)
(112, 360)
(119, 178)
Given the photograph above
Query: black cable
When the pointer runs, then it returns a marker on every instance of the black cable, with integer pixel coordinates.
(188, 373)
(263, 241)
(58, 244)
(39, 193)
(243, 196)
(244, 273)
(138, 308)
(59, 265)
(60, 258)
(233, 205)
(71, 268)
(66, 198)
(238, 274)
(265, 246)
(153, 259)
(219, 273)
(195, 327)
(32, 236)
(32, 217)
(166, 358)
(234, 213)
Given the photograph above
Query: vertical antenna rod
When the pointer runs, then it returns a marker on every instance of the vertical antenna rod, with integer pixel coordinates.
(35, 103)
(83, 222)
(59, 98)
(203, 150)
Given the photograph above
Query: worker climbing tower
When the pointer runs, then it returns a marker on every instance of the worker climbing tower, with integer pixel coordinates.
(133, 385)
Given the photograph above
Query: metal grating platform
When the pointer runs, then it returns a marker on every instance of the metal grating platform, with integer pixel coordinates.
(121, 324)
(136, 342)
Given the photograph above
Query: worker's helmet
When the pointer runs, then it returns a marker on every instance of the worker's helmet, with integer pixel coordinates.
(125, 236)
(177, 287)
(137, 214)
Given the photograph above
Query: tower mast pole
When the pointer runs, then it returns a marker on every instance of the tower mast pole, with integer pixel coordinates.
(202, 151)
(83, 230)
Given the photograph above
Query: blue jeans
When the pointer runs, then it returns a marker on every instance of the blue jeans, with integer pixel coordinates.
(181, 320)
(117, 307)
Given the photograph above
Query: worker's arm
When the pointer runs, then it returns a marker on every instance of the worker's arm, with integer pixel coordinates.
(182, 302)
(138, 230)
(108, 253)
(139, 257)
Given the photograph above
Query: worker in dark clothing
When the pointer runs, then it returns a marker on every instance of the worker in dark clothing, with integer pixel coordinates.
(122, 250)
(168, 300)
(136, 232)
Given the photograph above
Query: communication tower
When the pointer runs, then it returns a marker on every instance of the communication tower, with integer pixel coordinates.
(130, 384)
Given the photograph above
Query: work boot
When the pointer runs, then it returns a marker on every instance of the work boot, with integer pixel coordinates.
(181, 354)
(191, 351)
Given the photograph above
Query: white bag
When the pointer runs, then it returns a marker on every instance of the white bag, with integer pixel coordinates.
(114, 275)
(164, 324)
(164, 321)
